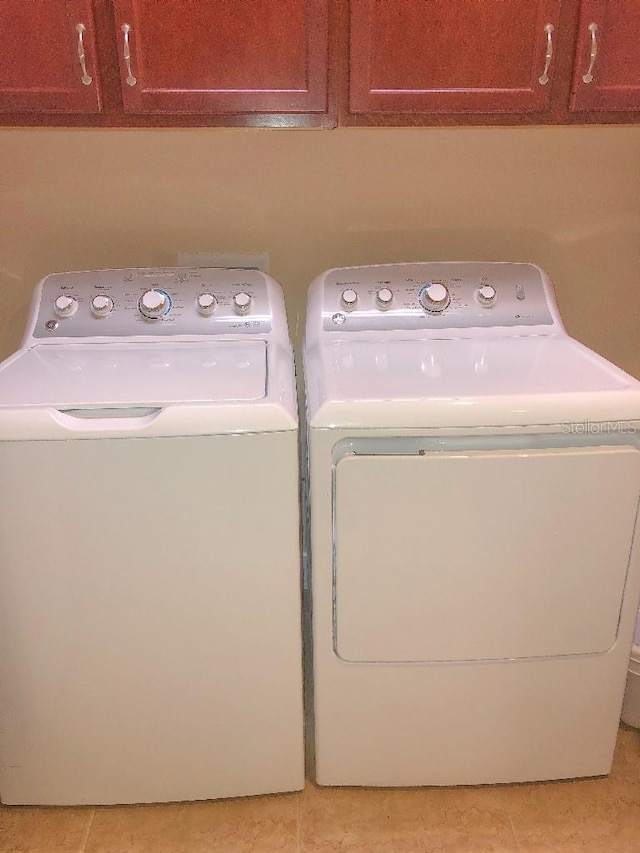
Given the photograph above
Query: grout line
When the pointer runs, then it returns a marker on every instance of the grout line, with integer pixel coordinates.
(87, 832)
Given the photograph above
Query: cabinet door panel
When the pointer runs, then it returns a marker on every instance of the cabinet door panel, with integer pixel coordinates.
(451, 55)
(41, 69)
(227, 56)
(610, 31)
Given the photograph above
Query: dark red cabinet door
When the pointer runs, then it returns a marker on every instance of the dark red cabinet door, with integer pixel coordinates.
(223, 56)
(44, 44)
(448, 56)
(607, 63)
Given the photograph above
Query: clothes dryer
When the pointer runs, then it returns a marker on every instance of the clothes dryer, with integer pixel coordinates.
(474, 477)
(150, 643)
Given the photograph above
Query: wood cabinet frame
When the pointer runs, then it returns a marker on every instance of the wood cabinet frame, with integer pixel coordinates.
(568, 53)
(113, 112)
(558, 113)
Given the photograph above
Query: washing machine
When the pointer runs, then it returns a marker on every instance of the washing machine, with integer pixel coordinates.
(150, 641)
(474, 477)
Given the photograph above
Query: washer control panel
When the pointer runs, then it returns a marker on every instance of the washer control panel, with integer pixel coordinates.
(438, 295)
(171, 301)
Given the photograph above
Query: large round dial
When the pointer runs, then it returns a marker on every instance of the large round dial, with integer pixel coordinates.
(154, 303)
(65, 306)
(434, 297)
(101, 305)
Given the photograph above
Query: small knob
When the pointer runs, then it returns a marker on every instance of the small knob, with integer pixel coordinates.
(154, 304)
(242, 303)
(349, 299)
(207, 303)
(486, 295)
(434, 297)
(101, 305)
(384, 297)
(65, 305)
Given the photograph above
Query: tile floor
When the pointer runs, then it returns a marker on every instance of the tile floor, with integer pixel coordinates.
(587, 816)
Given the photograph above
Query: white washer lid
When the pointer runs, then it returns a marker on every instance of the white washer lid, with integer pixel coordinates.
(121, 375)
(465, 382)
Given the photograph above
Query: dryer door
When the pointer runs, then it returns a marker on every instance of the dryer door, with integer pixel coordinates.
(482, 555)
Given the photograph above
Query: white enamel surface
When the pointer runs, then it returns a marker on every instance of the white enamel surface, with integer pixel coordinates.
(402, 588)
(466, 382)
(459, 376)
(217, 380)
(458, 723)
(161, 661)
(121, 374)
(471, 622)
(150, 650)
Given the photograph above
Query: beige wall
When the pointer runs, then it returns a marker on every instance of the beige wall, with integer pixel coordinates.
(568, 199)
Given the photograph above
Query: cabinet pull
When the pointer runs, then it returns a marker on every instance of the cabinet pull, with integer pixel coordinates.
(593, 29)
(543, 79)
(126, 53)
(87, 80)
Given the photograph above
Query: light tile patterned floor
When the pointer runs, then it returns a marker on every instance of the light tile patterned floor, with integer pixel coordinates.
(586, 816)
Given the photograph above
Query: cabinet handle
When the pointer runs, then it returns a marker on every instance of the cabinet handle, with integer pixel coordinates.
(86, 78)
(593, 29)
(126, 53)
(543, 79)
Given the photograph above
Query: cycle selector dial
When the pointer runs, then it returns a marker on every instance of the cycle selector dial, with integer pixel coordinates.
(242, 303)
(154, 304)
(486, 295)
(349, 299)
(384, 298)
(434, 297)
(101, 306)
(206, 303)
(65, 306)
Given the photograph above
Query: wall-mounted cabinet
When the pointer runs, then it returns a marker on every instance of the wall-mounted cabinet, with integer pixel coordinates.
(458, 56)
(144, 62)
(319, 62)
(48, 59)
(493, 62)
(227, 56)
(607, 67)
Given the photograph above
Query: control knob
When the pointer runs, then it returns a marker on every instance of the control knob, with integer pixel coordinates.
(434, 297)
(384, 298)
(154, 304)
(349, 299)
(486, 295)
(101, 305)
(206, 303)
(242, 303)
(65, 305)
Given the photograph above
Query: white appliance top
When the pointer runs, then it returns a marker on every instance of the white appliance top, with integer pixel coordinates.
(154, 351)
(453, 345)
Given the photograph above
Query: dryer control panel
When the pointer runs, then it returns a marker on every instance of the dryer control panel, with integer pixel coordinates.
(176, 301)
(436, 296)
